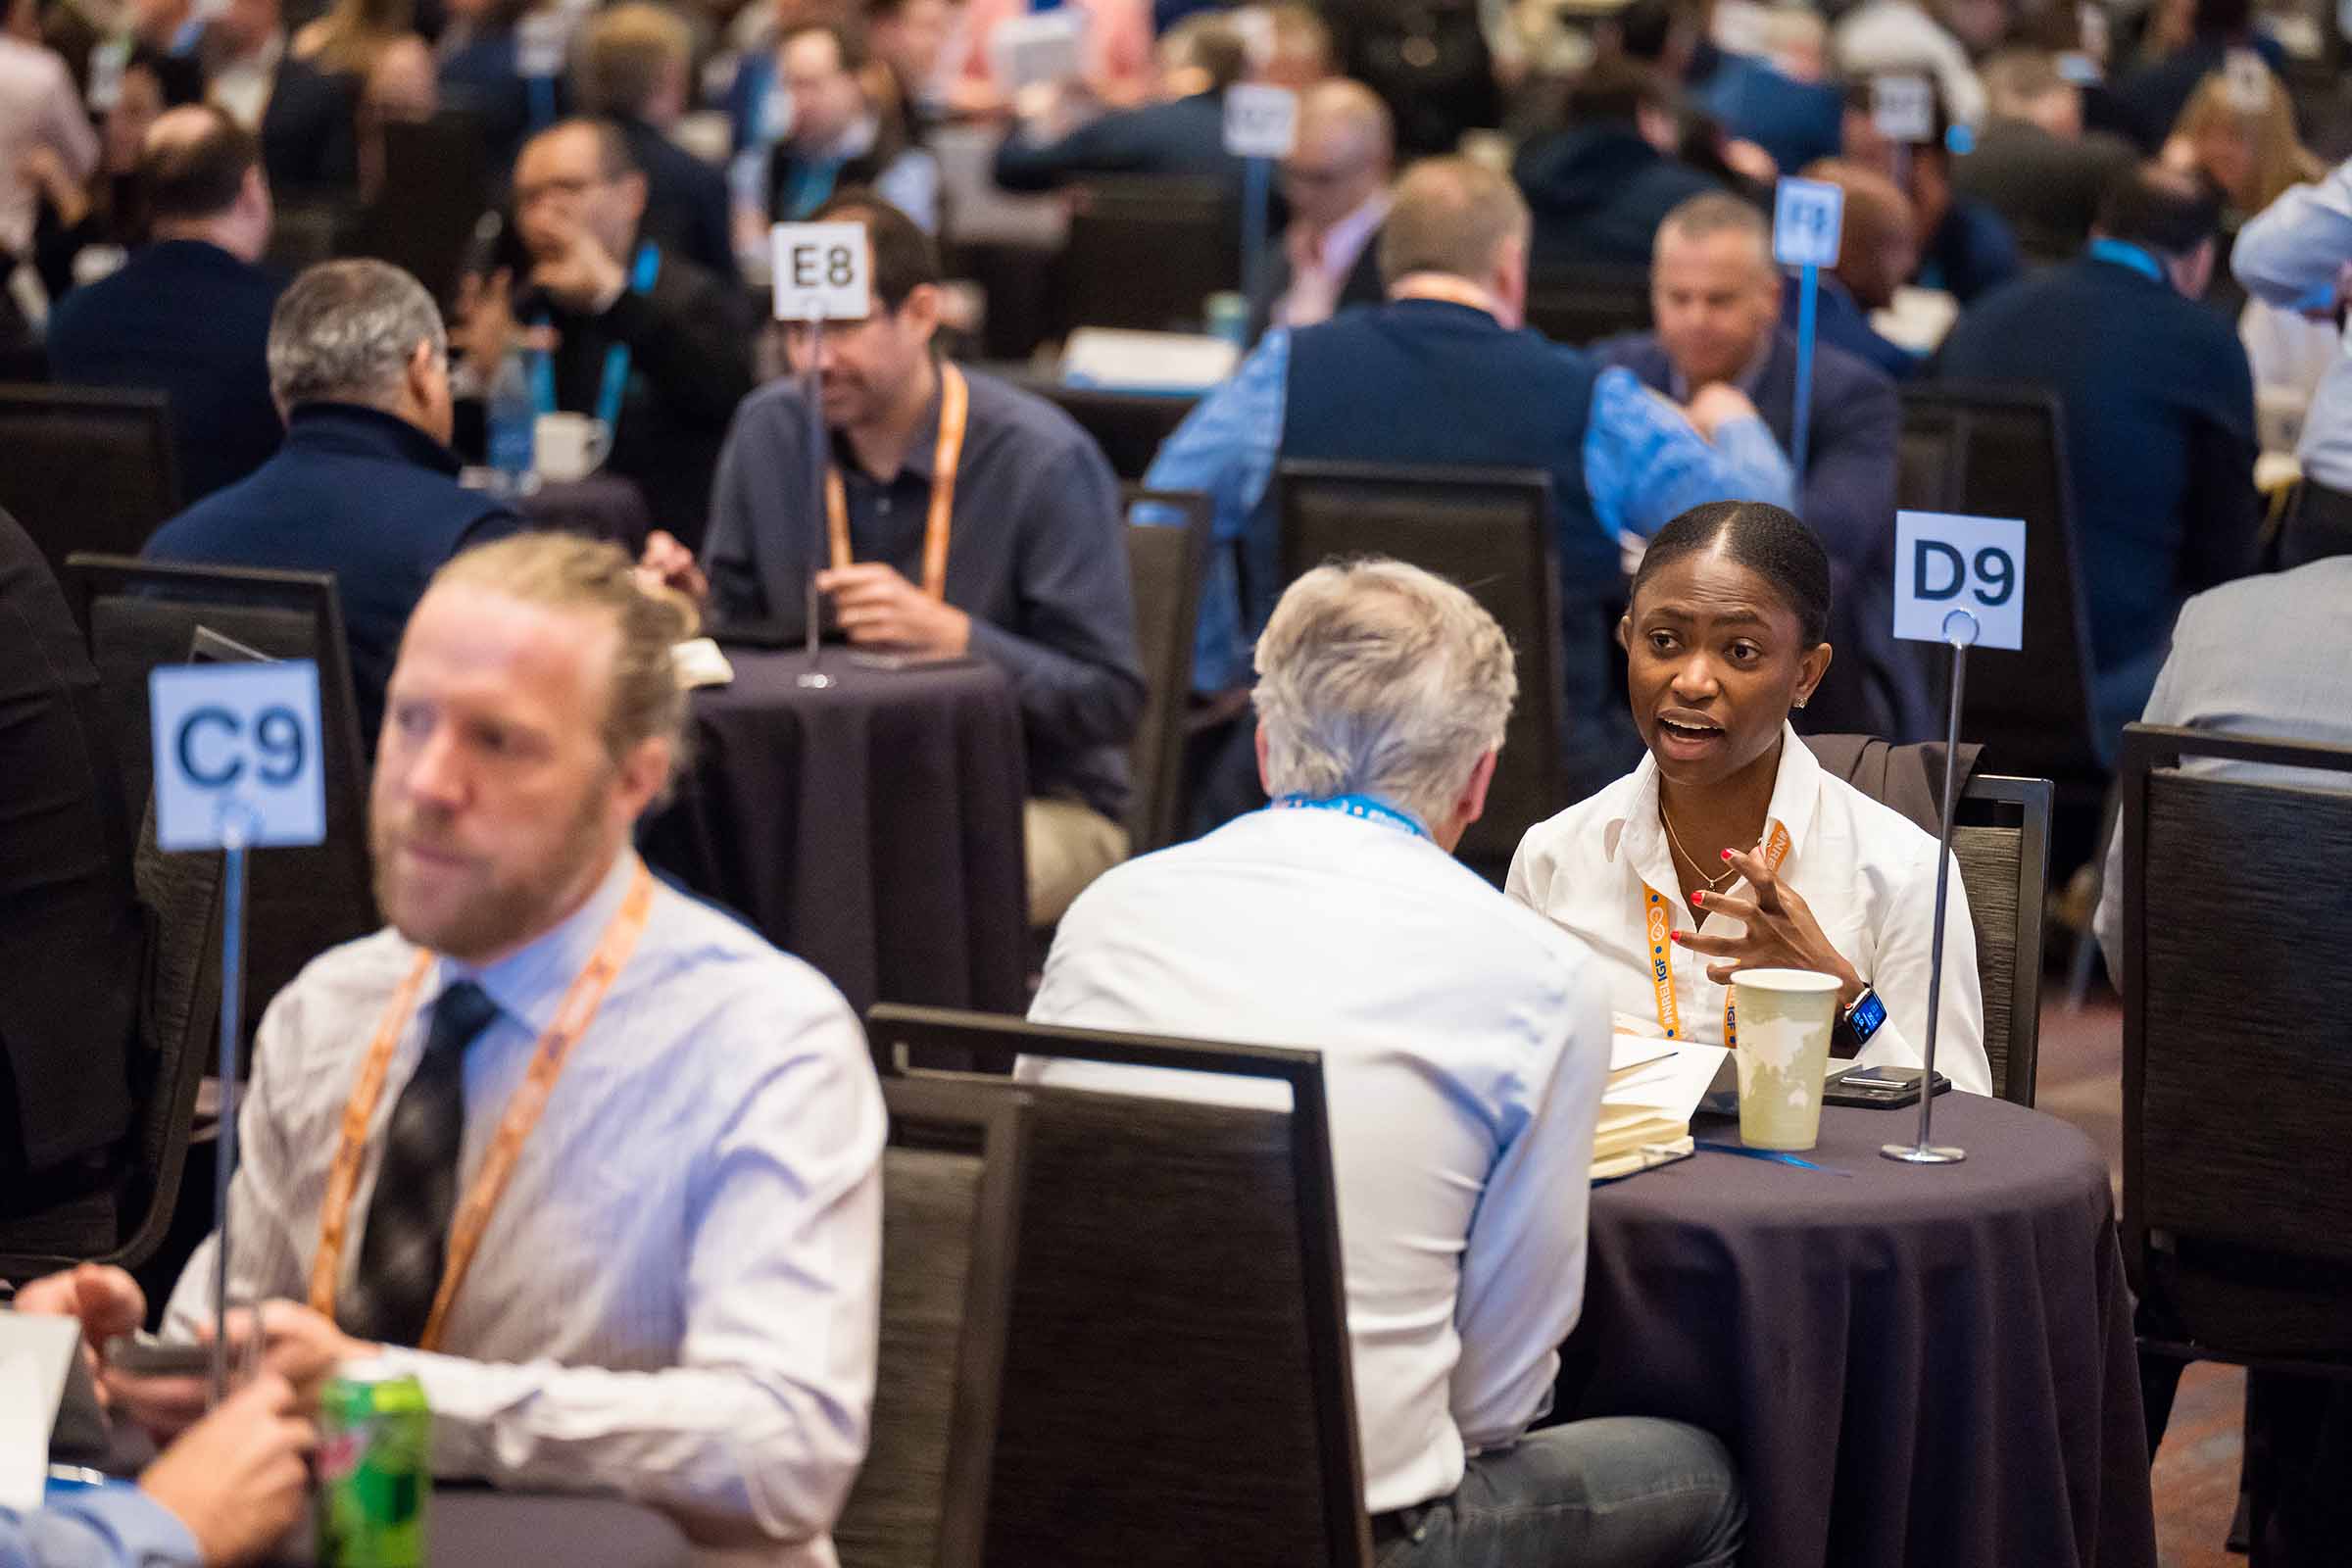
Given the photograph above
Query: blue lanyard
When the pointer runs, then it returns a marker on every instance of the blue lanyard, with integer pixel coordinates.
(1363, 806)
(2122, 255)
(642, 277)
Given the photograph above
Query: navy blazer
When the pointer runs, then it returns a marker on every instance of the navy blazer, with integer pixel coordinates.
(362, 494)
(2159, 412)
(1842, 323)
(1361, 285)
(1875, 686)
(1599, 193)
(1183, 137)
(1796, 122)
(187, 318)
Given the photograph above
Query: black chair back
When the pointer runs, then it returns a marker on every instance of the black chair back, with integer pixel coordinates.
(1166, 564)
(1129, 426)
(951, 1219)
(179, 1011)
(2003, 455)
(437, 185)
(1147, 251)
(2238, 1089)
(1580, 305)
(1489, 530)
(300, 902)
(306, 230)
(1178, 1369)
(2001, 838)
(86, 468)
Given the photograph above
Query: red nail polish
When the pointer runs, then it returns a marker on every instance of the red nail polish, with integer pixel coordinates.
(1675, 937)
(1699, 897)
(1726, 854)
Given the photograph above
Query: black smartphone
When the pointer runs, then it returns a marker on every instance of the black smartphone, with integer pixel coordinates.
(1878, 1088)
(154, 1359)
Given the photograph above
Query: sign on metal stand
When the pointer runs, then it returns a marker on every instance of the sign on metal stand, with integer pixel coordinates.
(1960, 581)
(1261, 126)
(824, 271)
(1807, 217)
(237, 767)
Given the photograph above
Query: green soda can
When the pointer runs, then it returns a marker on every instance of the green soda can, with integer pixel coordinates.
(375, 1442)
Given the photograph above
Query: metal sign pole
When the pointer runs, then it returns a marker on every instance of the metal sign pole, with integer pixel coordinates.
(224, 1147)
(1800, 431)
(820, 460)
(1256, 193)
(1960, 629)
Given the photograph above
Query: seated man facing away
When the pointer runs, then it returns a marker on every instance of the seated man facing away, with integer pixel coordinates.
(1465, 1046)
(1443, 375)
(673, 1295)
(188, 315)
(965, 518)
(365, 486)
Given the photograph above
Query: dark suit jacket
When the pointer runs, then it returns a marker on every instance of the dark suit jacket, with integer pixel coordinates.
(1842, 323)
(2159, 428)
(189, 320)
(689, 346)
(1875, 685)
(70, 939)
(358, 493)
(1796, 122)
(1599, 193)
(1183, 137)
(1362, 285)
(685, 201)
(1971, 254)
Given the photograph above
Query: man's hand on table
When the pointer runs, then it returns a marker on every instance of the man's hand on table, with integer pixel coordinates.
(236, 1479)
(877, 607)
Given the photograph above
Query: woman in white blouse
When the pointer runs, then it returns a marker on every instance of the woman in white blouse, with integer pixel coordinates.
(1729, 847)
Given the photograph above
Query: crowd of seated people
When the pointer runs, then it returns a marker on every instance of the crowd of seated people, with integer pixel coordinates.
(2133, 218)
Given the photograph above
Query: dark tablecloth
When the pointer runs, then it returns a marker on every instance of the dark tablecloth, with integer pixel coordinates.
(603, 505)
(1916, 1365)
(874, 829)
(471, 1527)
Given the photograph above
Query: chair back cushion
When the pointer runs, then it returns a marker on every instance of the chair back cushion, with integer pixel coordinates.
(86, 468)
(1164, 566)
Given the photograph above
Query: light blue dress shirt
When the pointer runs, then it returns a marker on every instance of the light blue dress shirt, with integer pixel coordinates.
(2289, 257)
(1643, 465)
(101, 1527)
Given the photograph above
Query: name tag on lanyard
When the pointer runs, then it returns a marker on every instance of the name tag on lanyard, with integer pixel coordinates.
(1658, 931)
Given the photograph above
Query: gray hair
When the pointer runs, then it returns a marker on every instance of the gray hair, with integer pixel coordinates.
(1379, 678)
(344, 333)
(1717, 211)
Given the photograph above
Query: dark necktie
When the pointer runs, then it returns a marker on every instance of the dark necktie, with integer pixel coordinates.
(402, 1253)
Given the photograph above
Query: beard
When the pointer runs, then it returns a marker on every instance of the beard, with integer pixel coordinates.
(505, 907)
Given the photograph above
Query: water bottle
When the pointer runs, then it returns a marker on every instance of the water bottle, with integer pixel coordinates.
(513, 416)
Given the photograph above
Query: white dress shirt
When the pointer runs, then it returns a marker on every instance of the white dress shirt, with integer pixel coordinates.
(1866, 871)
(1465, 1047)
(38, 108)
(676, 1298)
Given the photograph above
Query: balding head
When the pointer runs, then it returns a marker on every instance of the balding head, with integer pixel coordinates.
(1456, 220)
(1878, 251)
(202, 173)
(1346, 152)
(2171, 215)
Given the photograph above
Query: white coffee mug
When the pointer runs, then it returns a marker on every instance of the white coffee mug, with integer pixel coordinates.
(569, 446)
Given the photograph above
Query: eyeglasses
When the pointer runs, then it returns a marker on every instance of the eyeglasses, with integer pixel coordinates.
(570, 189)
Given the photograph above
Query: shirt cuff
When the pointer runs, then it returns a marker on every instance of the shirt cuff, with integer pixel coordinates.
(142, 1532)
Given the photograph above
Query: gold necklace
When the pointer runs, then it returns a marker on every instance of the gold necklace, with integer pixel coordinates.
(1696, 864)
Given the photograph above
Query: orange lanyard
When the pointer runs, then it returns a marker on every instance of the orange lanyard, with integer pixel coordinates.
(1659, 927)
(955, 402)
(473, 1218)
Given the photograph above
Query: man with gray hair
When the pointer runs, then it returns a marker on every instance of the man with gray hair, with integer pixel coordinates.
(1465, 1047)
(366, 485)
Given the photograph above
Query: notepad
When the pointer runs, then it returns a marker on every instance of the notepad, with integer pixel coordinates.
(1654, 1088)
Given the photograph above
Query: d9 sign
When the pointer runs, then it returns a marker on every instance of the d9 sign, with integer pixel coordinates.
(820, 271)
(237, 755)
(1945, 563)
